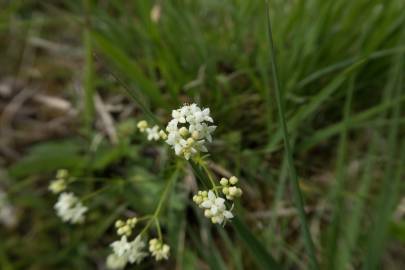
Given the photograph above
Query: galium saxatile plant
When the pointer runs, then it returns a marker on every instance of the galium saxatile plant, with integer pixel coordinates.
(68, 206)
(188, 133)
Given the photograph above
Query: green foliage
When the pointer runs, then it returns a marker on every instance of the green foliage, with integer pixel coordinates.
(337, 102)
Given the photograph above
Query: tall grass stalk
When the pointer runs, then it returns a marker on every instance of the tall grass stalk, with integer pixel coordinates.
(293, 174)
(340, 178)
(390, 184)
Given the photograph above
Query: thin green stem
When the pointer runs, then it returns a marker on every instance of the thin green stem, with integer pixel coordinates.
(159, 207)
(91, 195)
(158, 229)
(145, 218)
(293, 175)
(207, 171)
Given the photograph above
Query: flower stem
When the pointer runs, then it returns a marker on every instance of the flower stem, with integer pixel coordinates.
(155, 216)
(91, 195)
(158, 229)
(207, 171)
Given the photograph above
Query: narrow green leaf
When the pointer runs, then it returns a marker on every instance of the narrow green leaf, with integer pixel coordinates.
(131, 69)
(299, 202)
(257, 250)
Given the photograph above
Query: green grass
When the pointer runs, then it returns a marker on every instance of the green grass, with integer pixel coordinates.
(317, 143)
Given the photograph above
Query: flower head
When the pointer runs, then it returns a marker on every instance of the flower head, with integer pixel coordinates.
(69, 208)
(229, 189)
(158, 249)
(189, 130)
(214, 206)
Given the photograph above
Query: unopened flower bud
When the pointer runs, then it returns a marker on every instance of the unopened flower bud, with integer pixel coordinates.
(195, 135)
(233, 180)
(208, 213)
(62, 173)
(119, 223)
(190, 141)
(162, 135)
(223, 182)
(233, 191)
(142, 125)
(183, 131)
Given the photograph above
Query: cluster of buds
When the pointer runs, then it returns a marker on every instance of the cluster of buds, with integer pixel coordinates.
(153, 133)
(201, 196)
(59, 184)
(158, 249)
(125, 227)
(229, 189)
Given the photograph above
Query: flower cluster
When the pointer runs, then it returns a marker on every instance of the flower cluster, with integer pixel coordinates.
(70, 209)
(188, 131)
(214, 206)
(229, 189)
(125, 251)
(153, 133)
(59, 184)
(158, 249)
(125, 228)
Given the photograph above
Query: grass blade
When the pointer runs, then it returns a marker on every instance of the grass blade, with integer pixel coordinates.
(392, 178)
(130, 68)
(293, 175)
(88, 70)
(258, 251)
(337, 190)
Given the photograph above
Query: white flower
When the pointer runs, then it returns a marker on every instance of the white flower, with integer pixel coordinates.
(215, 208)
(153, 133)
(7, 212)
(158, 249)
(188, 130)
(57, 186)
(136, 253)
(115, 262)
(130, 251)
(179, 116)
(121, 247)
(69, 208)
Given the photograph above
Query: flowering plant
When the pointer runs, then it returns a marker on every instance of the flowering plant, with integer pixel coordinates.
(188, 133)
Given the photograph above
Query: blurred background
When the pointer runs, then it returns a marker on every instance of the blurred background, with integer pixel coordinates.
(68, 70)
